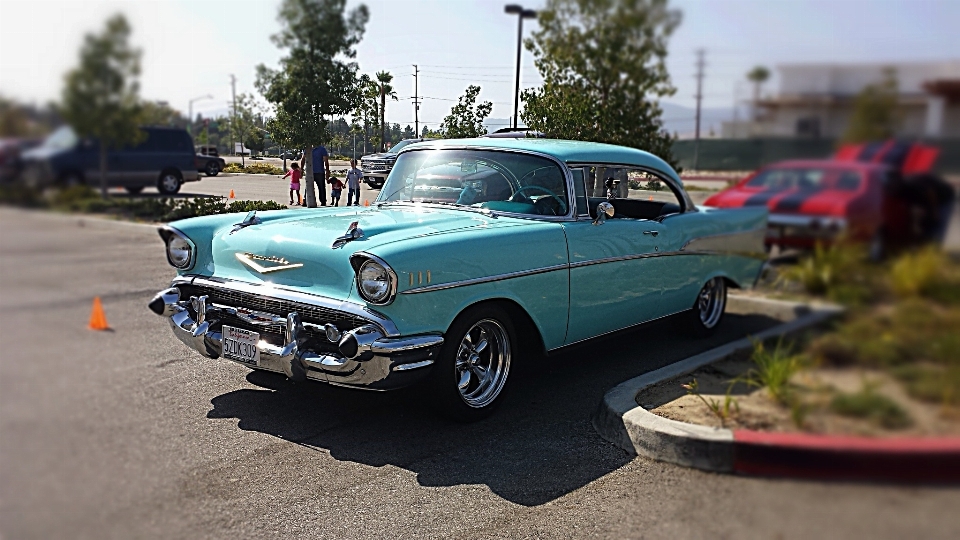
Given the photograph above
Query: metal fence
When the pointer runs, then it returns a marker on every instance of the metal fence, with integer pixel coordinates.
(749, 154)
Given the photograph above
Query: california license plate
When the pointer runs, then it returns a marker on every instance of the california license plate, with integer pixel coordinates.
(240, 345)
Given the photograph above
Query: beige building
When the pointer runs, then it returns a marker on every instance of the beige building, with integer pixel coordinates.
(817, 100)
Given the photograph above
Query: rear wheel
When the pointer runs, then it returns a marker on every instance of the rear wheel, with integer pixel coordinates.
(474, 364)
(213, 169)
(709, 307)
(169, 182)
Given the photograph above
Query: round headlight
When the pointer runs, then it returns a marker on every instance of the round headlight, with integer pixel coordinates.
(374, 282)
(179, 251)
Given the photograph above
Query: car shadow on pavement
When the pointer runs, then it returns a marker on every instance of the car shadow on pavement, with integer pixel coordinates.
(538, 446)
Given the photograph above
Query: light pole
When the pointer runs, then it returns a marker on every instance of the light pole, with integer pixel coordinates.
(517, 9)
(190, 109)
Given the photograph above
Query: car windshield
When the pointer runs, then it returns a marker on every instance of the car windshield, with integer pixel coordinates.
(397, 147)
(806, 178)
(485, 179)
(61, 139)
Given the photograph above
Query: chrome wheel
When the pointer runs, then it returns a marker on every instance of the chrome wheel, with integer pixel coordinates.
(482, 363)
(711, 302)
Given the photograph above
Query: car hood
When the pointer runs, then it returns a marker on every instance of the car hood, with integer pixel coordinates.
(385, 155)
(789, 201)
(305, 238)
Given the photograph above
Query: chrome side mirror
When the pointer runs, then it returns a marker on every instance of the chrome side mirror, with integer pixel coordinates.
(604, 210)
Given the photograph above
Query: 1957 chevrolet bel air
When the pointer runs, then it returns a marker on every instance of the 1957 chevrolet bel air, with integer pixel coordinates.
(477, 255)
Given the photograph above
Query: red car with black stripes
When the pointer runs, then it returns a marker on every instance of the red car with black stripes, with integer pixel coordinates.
(880, 194)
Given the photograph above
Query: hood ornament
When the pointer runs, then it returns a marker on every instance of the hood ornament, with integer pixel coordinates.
(273, 264)
(353, 233)
(251, 219)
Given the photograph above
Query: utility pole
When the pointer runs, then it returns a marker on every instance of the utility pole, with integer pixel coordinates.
(416, 101)
(233, 91)
(515, 9)
(699, 96)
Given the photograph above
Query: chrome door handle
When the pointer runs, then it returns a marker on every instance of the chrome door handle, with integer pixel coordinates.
(654, 233)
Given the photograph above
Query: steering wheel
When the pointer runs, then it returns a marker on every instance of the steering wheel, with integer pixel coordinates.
(547, 192)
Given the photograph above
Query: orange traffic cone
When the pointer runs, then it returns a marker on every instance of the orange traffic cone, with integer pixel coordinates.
(366, 203)
(98, 319)
(232, 196)
(650, 198)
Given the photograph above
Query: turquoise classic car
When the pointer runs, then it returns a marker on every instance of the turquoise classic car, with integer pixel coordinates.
(477, 255)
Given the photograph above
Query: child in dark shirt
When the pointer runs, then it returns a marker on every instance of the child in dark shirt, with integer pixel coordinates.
(336, 188)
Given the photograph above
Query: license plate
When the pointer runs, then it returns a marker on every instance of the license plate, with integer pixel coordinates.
(241, 345)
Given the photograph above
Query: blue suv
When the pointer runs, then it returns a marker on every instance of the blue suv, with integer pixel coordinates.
(164, 159)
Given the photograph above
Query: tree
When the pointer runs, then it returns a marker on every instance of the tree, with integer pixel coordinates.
(160, 113)
(757, 76)
(875, 114)
(316, 78)
(602, 63)
(384, 78)
(101, 96)
(408, 133)
(466, 117)
(243, 123)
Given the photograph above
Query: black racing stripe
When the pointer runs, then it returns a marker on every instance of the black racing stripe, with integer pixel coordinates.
(793, 202)
(762, 198)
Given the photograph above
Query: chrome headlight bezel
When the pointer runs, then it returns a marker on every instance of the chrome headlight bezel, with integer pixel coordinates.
(361, 260)
(170, 235)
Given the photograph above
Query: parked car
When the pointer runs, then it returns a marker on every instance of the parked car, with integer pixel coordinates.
(165, 159)
(376, 167)
(451, 291)
(11, 163)
(210, 165)
(870, 198)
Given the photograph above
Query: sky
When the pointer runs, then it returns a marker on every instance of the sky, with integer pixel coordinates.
(191, 47)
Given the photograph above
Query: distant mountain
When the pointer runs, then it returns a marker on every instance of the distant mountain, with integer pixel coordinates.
(683, 120)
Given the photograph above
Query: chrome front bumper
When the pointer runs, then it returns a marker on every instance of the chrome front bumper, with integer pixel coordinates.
(366, 358)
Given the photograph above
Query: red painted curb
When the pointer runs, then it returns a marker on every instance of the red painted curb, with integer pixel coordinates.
(802, 455)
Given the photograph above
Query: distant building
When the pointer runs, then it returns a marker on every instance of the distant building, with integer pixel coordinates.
(817, 100)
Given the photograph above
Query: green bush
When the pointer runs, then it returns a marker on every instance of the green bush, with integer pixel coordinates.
(872, 406)
(253, 168)
(773, 370)
(926, 273)
(839, 271)
(16, 195)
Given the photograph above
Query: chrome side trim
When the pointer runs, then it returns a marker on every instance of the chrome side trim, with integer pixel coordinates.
(620, 258)
(788, 220)
(487, 279)
(749, 243)
(268, 289)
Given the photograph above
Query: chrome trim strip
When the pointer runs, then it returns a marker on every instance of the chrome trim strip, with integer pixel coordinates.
(414, 365)
(788, 220)
(248, 259)
(268, 289)
(571, 214)
(632, 257)
(487, 279)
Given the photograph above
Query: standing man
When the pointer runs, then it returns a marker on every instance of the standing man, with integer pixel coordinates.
(321, 171)
(354, 176)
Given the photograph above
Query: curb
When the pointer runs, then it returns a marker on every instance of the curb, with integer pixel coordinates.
(621, 421)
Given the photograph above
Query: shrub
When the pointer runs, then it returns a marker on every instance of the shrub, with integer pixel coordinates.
(253, 168)
(872, 406)
(773, 370)
(838, 271)
(927, 273)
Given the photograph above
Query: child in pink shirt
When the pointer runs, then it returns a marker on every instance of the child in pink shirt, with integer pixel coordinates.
(294, 174)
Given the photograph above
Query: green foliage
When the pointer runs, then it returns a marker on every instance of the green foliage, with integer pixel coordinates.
(160, 113)
(466, 117)
(927, 273)
(722, 410)
(838, 271)
(253, 168)
(101, 96)
(20, 195)
(874, 111)
(603, 67)
(384, 90)
(868, 404)
(773, 370)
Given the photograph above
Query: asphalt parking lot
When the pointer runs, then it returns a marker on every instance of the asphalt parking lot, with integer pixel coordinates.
(127, 434)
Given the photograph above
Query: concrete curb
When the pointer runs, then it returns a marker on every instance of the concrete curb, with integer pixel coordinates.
(621, 421)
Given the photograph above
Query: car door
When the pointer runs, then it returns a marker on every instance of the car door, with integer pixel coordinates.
(615, 275)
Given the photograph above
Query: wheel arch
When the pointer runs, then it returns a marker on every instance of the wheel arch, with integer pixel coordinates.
(528, 333)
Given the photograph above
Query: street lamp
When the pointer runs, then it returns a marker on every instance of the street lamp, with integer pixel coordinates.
(517, 9)
(190, 113)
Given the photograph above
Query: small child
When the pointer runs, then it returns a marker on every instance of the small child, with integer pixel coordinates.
(354, 176)
(294, 174)
(336, 188)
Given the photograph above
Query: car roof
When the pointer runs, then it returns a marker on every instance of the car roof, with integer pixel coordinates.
(808, 163)
(564, 150)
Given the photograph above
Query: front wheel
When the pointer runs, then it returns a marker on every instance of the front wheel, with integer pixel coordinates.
(169, 183)
(709, 308)
(213, 169)
(471, 372)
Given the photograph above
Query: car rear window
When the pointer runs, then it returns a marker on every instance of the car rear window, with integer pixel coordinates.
(806, 178)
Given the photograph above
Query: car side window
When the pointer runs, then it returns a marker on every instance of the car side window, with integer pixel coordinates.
(580, 190)
(635, 193)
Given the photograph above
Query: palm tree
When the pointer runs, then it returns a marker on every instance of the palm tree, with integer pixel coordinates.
(757, 76)
(384, 78)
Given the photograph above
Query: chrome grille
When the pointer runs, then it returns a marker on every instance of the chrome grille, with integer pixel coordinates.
(256, 302)
(377, 165)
